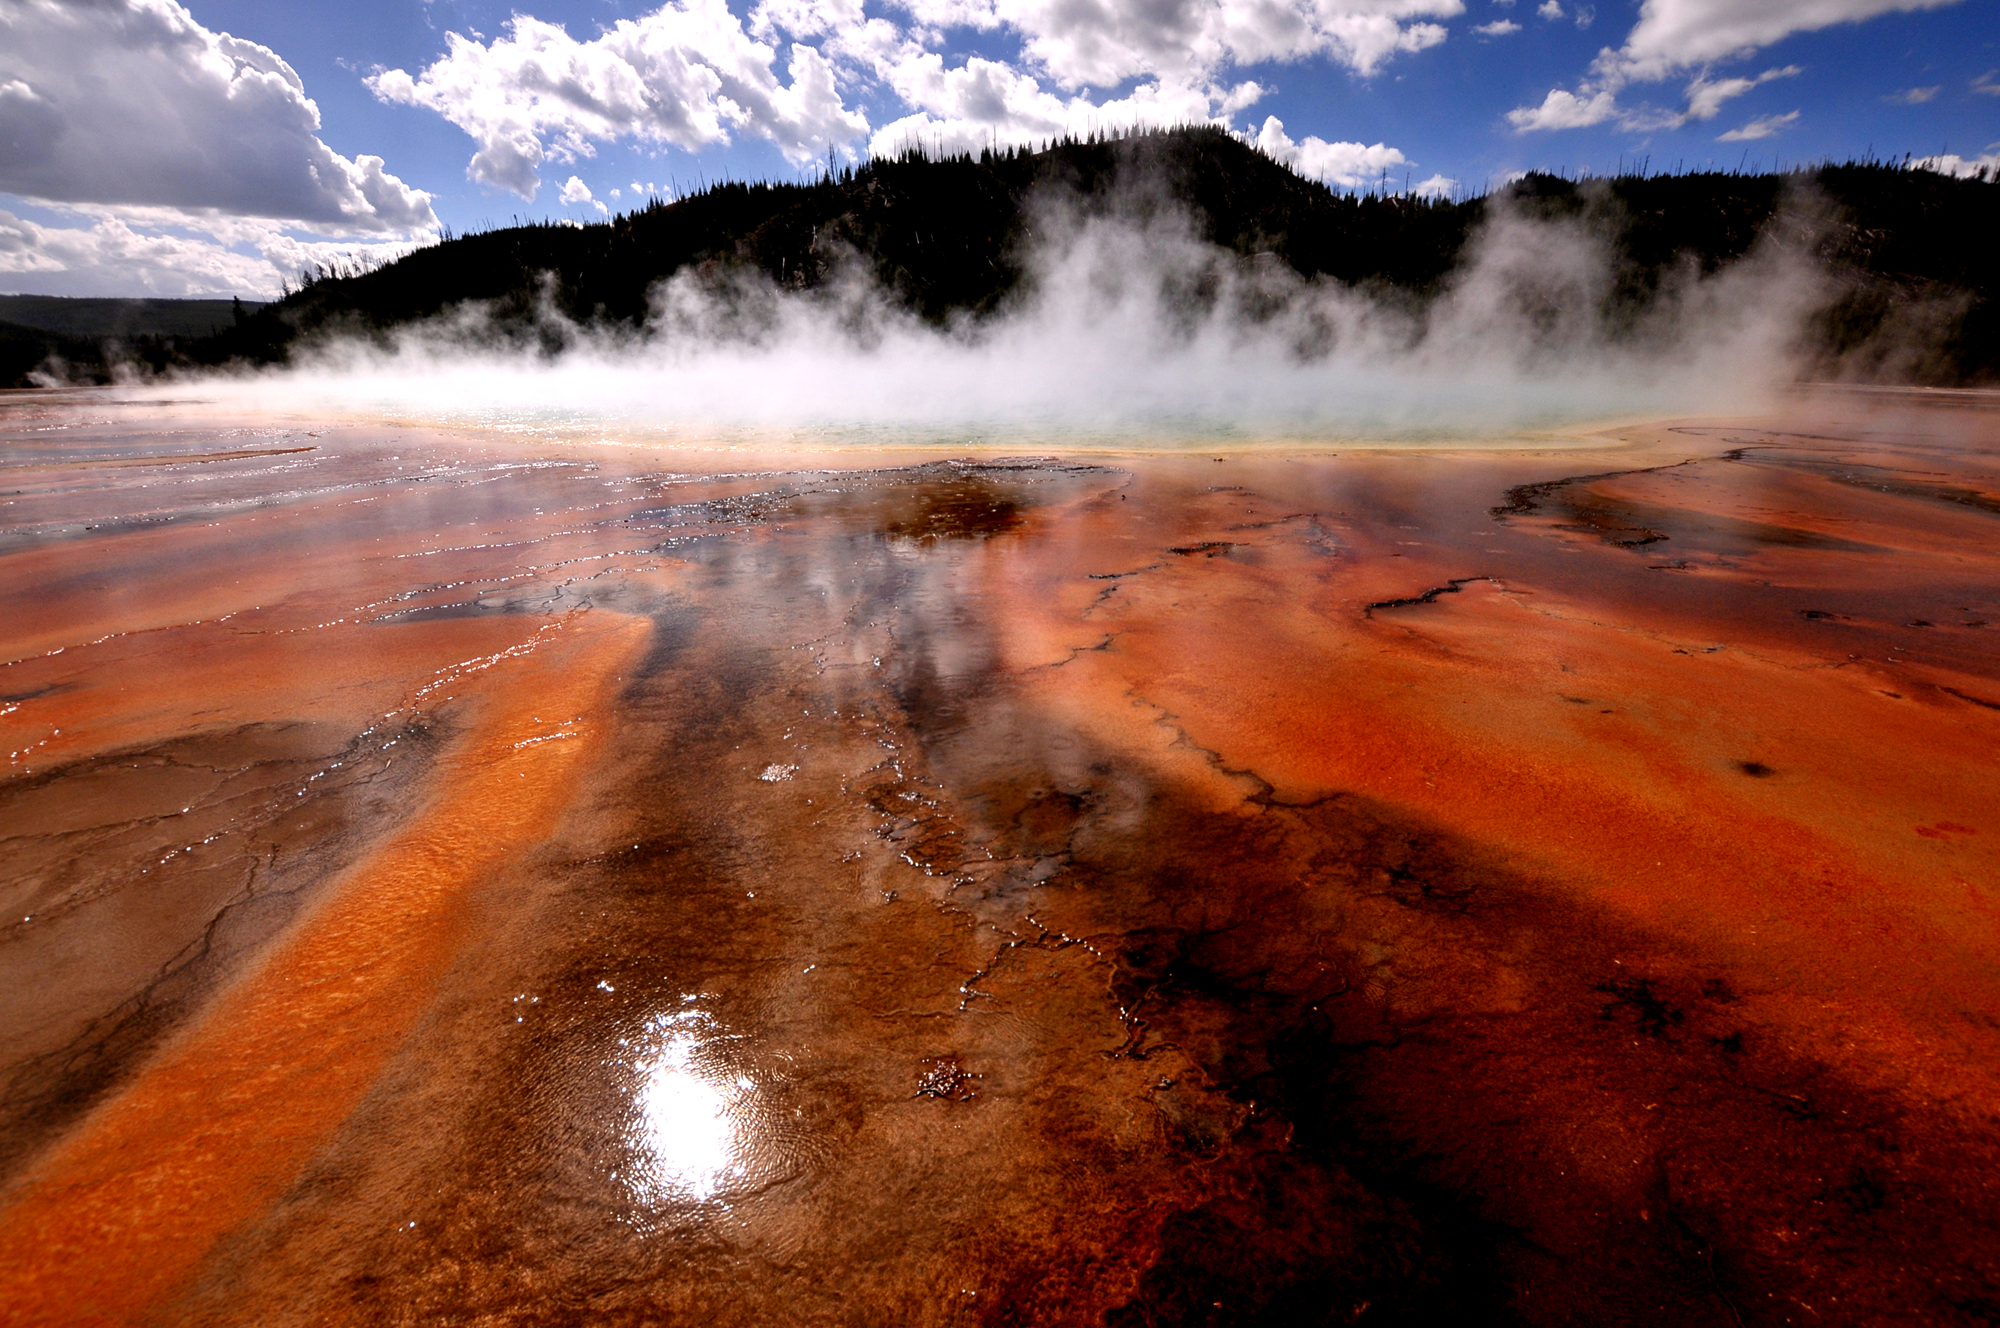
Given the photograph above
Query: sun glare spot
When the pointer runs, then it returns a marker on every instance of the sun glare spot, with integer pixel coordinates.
(689, 1114)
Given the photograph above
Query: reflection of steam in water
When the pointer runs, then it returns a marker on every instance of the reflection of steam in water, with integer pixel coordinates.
(693, 1114)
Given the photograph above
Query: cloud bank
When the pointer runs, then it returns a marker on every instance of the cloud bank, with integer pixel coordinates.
(684, 76)
(151, 154)
(158, 156)
(193, 156)
(1346, 165)
(133, 102)
(692, 75)
(1985, 166)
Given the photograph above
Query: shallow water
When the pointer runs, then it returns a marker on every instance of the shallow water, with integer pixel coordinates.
(471, 875)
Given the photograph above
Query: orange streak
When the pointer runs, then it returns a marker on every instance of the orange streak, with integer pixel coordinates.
(121, 1215)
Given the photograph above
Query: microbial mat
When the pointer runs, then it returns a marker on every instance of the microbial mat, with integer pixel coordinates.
(461, 876)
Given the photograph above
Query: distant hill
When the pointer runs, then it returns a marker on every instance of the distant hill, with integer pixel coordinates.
(81, 334)
(102, 318)
(949, 237)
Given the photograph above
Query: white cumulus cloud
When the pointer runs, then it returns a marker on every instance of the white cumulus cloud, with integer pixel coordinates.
(1762, 127)
(1349, 165)
(1564, 110)
(1103, 43)
(1498, 28)
(687, 74)
(147, 254)
(132, 102)
(1674, 35)
(1986, 165)
(575, 192)
(693, 75)
(78, 259)
(984, 103)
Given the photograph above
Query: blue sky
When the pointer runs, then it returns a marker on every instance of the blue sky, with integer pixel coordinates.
(142, 151)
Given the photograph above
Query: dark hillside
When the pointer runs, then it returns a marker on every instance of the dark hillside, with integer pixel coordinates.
(948, 237)
(102, 318)
(943, 236)
(71, 334)
(25, 349)
(1913, 245)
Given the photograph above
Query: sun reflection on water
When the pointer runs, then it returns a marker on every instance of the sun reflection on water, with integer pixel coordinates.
(692, 1113)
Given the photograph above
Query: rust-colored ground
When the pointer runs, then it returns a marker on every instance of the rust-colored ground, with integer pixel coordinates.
(456, 878)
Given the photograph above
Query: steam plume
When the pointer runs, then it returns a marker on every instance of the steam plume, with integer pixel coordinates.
(1131, 331)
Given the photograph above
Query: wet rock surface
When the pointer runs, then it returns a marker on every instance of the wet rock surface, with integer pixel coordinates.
(1122, 890)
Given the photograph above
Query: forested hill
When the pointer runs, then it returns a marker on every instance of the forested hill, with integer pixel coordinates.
(37, 330)
(949, 236)
(69, 316)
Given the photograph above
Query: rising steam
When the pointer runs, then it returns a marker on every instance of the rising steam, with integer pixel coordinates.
(1128, 332)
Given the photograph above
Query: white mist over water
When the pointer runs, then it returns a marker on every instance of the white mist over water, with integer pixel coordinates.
(1127, 334)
